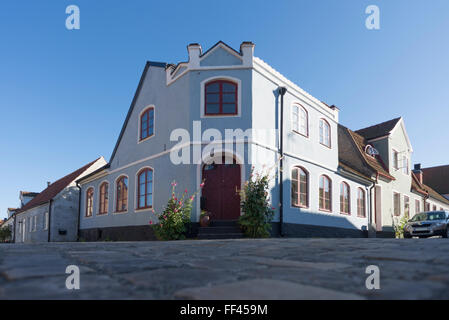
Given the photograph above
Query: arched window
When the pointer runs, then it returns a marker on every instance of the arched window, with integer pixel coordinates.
(122, 194)
(300, 120)
(325, 193)
(145, 189)
(220, 98)
(325, 133)
(361, 211)
(345, 198)
(147, 123)
(89, 202)
(300, 187)
(104, 198)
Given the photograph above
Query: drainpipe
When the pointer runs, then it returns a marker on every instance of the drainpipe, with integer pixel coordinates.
(370, 215)
(14, 235)
(79, 212)
(282, 91)
(49, 218)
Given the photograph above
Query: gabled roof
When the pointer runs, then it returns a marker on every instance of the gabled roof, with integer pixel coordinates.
(437, 178)
(352, 153)
(426, 190)
(28, 193)
(131, 107)
(379, 130)
(53, 189)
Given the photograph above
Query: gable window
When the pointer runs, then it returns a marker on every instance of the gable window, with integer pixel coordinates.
(325, 193)
(300, 120)
(300, 187)
(325, 133)
(220, 98)
(406, 206)
(405, 165)
(345, 198)
(89, 202)
(145, 189)
(417, 206)
(147, 123)
(395, 159)
(361, 211)
(396, 204)
(122, 194)
(104, 198)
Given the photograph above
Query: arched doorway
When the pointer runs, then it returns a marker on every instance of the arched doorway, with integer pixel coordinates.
(220, 194)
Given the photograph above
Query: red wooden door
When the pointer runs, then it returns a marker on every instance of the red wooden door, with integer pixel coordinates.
(220, 193)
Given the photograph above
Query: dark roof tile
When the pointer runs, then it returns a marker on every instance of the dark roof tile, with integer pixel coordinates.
(378, 130)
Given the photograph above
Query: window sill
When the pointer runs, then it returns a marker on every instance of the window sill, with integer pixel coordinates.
(325, 210)
(345, 213)
(102, 214)
(324, 145)
(145, 139)
(143, 209)
(301, 134)
(300, 206)
(120, 212)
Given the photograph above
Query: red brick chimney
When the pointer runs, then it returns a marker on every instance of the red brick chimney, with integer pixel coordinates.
(418, 172)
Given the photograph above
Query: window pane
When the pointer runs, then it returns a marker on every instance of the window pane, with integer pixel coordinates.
(228, 98)
(213, 87)
(229, 108)
(142, 201)
(212, 108)
(213, 98)
(149, 199)
(145, 117)
(228, 87)
(294, 192)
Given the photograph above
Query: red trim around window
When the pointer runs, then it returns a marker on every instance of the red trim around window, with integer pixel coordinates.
(121, 204)
(89, 202)
(220, 94)
(323, 197)
(143, 190)
(104, 198)
(345, 189)
(298, 190)
(330, 134)
(148, 131)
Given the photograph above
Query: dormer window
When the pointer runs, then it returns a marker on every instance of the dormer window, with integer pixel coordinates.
(220, 98)
(371, 151)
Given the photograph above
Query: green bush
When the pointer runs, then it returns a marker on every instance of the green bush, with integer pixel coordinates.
(5, 234)
(399, 226)
(257, 213)
(175, 217)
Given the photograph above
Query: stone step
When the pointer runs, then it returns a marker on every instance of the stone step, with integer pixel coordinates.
(223, 223)
(208, 236)
(217, 230)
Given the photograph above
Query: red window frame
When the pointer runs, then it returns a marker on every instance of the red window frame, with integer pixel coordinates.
(121, 204)
(322, 194)
(220, 93)
(345, 190)
(299, 182)
(145, 190)
(89, 202)
(361, 200)
(148, 122)
(104, 198)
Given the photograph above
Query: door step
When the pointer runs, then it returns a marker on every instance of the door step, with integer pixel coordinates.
(221, 229)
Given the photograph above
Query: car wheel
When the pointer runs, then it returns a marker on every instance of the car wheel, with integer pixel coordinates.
(446, 233)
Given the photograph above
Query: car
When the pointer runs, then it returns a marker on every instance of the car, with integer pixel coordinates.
(428, 224)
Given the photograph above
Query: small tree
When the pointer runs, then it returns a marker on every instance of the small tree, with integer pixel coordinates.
(175, 217)
(257, 212)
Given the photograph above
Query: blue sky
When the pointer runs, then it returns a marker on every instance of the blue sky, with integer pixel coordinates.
(64, 94)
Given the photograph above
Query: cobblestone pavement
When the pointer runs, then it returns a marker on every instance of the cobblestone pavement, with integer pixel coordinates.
(228, 269)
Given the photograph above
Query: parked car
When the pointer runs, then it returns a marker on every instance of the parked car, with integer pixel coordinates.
(428, 224)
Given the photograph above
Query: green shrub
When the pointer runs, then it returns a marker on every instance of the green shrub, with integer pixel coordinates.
(175, 217)
(257, 213)
(399, 226)
(5, 234)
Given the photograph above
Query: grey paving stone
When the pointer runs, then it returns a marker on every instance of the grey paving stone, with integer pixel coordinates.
(263, 289)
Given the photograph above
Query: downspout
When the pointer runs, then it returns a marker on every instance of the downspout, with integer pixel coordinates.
(15, 231)
(370, 215)
(79, 212)
(49, 218)
(282, 91)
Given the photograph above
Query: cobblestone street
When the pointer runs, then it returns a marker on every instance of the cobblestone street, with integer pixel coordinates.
(228, 269)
